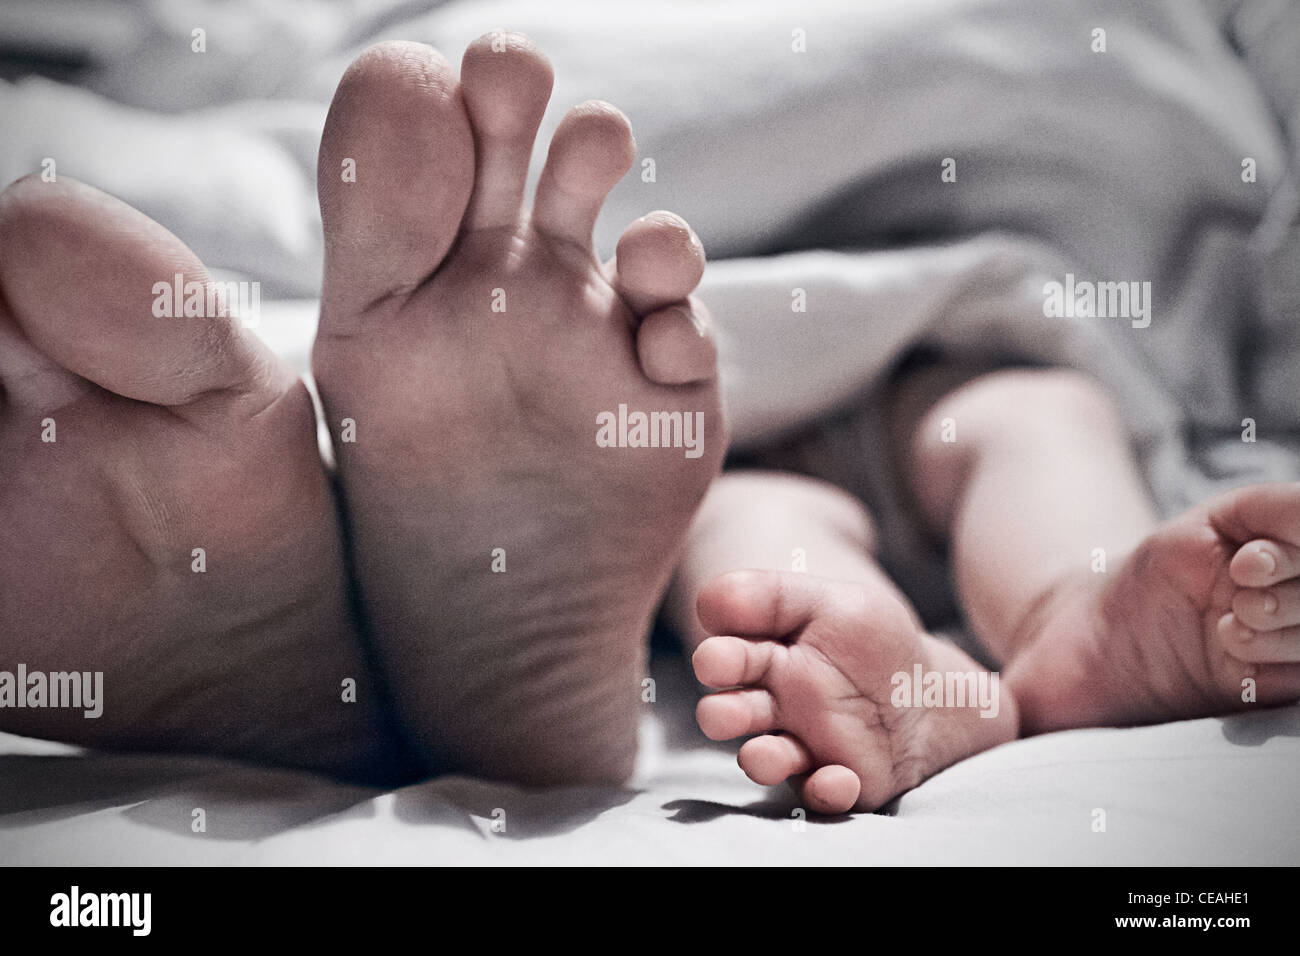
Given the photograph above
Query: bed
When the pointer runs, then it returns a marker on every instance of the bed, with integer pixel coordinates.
(1168, 156)
(1202, 792)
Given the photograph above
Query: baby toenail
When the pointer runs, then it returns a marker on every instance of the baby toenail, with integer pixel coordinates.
(1270, 602)
(1270, 562)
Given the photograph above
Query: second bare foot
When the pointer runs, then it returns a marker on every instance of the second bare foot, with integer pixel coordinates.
(167, 522)
(522, 433)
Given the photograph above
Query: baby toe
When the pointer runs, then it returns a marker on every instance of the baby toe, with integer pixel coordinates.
(1264, 562)
(1256, 646)
(736, 713)
(832, 789)
(730, 661)
(1268, 609)
(772, 758)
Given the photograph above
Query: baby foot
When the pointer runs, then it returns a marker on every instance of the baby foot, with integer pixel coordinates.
(477, 366)
(1203, 618)
(167, 521)
(833, 668)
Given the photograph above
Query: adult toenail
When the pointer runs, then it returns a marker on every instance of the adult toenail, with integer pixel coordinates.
(694, 319)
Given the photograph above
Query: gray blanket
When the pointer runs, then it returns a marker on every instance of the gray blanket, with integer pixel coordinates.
(809, 145)
(1114, 157)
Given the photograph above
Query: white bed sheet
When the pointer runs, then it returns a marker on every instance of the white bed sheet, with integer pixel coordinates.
(1202, 792)
(1146, 139)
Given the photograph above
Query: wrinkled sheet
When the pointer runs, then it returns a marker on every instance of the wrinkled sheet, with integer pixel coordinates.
(1201, 792)
(816, 171)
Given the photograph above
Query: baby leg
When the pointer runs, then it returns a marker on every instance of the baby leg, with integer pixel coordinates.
(1099, 614)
